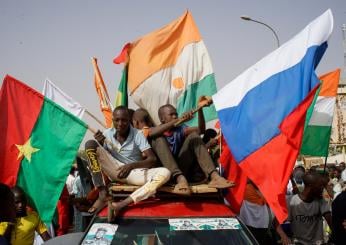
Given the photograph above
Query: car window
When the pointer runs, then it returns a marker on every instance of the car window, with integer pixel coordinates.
(159, 231)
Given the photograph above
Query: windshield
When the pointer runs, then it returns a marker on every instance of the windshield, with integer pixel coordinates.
(175, 231)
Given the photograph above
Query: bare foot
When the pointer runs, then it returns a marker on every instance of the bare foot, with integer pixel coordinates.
(220, 182)
(113, 210)
(182, 187)
(100, 202)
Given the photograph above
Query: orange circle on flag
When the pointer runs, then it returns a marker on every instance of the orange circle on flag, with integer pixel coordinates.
(178, 83)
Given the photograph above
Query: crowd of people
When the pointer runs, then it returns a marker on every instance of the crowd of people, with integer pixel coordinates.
(316, 209)
(135, 151)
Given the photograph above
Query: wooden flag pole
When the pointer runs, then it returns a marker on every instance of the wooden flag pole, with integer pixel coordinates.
(92, 130)
(325, 164)
(181, 120)
(97, 120)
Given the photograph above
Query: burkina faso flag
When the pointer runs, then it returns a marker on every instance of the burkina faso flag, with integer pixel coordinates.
(39, 142)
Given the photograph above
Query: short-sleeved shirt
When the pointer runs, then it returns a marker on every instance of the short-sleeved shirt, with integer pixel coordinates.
(307, 219)
(24, 229)
(175, 138)
(131, 150)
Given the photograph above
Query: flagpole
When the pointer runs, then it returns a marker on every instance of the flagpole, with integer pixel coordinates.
(325, 164)
(181, 120)
(96, 119)
(325, 160)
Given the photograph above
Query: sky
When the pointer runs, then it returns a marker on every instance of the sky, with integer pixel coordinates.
(42, 39)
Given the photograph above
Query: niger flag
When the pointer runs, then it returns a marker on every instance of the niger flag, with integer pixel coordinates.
(170, 65)
(39, 142)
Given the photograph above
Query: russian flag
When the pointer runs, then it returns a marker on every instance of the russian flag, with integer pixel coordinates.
(262, 111)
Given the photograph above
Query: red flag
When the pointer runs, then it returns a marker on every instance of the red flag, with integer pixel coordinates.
(234, 173)
(16, 125)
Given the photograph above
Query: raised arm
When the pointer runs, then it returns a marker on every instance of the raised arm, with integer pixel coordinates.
(203, 101)
(159, 130)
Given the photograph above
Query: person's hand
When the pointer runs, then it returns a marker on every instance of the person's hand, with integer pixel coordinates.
(344, 224)
(204, 101)
(187, 116)
(286, 241)
(99, 137)
(212, 142)
(124, 171)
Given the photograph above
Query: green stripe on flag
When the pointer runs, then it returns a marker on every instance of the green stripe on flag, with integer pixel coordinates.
(316, 140)
(57, 134)
(189, 99)
(121, 95)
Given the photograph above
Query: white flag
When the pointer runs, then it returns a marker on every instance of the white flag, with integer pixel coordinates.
(51, 91)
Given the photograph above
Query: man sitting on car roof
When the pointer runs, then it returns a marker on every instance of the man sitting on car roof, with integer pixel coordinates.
(121, 159)
(192, 160)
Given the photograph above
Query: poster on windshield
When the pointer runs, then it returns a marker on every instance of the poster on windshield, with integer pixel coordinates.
(100, 234)
(204, 224)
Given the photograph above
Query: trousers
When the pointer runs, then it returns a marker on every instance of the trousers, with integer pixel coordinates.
(193, 160)
(150, 179)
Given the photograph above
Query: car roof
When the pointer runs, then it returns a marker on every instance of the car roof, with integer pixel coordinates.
(175, 208)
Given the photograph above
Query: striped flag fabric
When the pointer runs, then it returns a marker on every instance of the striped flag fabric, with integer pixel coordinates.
(171, 65)
(101, 89)
(262, 112)
(320, 117)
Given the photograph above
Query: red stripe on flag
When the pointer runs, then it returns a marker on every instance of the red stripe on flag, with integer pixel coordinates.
(271, 165)
(234, 173)
(17, 121)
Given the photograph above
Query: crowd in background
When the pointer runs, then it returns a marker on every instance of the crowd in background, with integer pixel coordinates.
(316, 197)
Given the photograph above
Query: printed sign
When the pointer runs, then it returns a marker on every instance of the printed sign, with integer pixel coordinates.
(100, 234)
(204, 224)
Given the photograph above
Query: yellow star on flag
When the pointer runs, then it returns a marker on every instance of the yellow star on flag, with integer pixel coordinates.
(26, 150)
